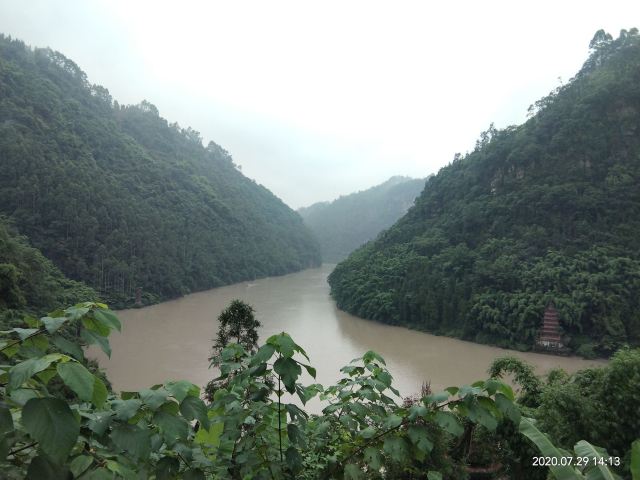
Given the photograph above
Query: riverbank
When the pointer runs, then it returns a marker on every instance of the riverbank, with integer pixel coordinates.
(172, 340)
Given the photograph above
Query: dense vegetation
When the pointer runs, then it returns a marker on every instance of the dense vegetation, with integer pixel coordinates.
(119, 199)
(60, 421)
(545, 211)
(30, 283)
(345, 224)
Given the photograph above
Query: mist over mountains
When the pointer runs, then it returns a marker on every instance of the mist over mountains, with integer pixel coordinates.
(346, 223)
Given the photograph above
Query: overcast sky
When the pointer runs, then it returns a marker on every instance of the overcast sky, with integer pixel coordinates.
(319, 99)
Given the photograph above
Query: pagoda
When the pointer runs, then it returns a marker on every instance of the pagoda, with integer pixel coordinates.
(550, 334)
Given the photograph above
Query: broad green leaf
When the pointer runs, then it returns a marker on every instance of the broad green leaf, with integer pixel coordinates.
(132, 440)
(23, 371)
(353, 472)
(4, 448)
(78, 379)
(293, 459)
(392, 421)
(22, 395)
(310, 370)
(6, 421)
(93, 338)
(80, 464)
(42, 468)
(396, 448)
(46, 375)
(10, 349)
(479, 414)
(94, 325)
(126, 409)
(452, 390)
(53, 324)
(370, 356)
(449, 422)
(289, 370)
(120, 469)
(171, 427)
(210, 436)
(373, 458)
(167, 468)
(436, 398)
(295, 412)
(434, 475)
(547, 449)
(296, 435)
(99, 474)
(52, 424)
(76, 312)
(594, 471)
(264, 354)
(108, 318)
(416, 411)
(283, 344)
(419, 436)
(100, 422)
(23, 333)
(154, 398)
(37, 343)
(194, 408)
(100, 392)
(193, 474)
(368, 432)
(385, 378)
(180, 389)
(635, 460)
(508, 408)
(69, 347)
(32, 322)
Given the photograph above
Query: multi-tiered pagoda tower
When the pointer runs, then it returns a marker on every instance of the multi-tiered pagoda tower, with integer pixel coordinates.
(549, 336)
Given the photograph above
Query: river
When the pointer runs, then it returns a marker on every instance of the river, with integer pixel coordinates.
(172, 340)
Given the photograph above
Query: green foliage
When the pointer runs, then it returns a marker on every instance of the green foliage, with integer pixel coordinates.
(29, 283)
(545, 211)
(523, 376)
(594, 405)
(344, 224)
(237, 324)
(591, 405)
(119, 198)
(564, 465)
(251, 429)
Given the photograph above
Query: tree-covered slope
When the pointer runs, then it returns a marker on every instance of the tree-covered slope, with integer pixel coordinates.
(30, 283)
(120, 199)
(345, 224)
(546, 211)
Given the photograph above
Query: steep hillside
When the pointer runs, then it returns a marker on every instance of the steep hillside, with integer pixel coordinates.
(343, 225)
(29, 283)
(119, 198)
(546, 211)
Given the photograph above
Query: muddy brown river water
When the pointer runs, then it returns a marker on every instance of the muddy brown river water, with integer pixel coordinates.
(172, 340)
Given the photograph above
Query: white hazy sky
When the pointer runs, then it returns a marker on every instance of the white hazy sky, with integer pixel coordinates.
(318, 99)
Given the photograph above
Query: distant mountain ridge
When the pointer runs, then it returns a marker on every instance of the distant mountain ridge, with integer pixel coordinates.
(346, 223)
(548, 211)
(120, 199)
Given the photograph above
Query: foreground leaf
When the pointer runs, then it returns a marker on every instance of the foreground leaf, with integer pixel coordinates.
(51, 423)
(547, 449)
(77, 378)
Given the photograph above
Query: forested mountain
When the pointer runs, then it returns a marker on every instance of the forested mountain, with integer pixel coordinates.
(119, 198)
(345, 224)
(545, 211)
(30, 283)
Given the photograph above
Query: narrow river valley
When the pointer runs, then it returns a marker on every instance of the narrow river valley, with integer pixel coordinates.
(172, 340)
